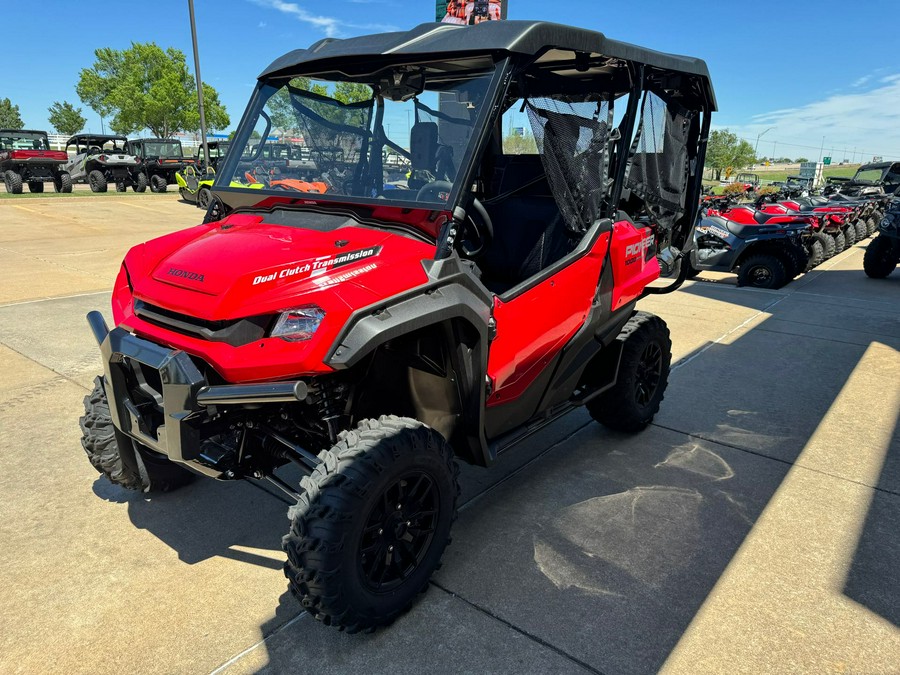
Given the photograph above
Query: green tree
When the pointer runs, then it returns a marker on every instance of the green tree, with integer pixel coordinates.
(146, 87)
(726, 150)
(513, 144)
(66, 118)
(800, 160)
(9, 115)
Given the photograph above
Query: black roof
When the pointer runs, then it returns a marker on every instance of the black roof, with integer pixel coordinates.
(22, 131)
(876, 165)
(519, 37)
(93, 138)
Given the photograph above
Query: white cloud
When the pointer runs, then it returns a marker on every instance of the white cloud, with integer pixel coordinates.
(262, 24)
(867, 120)
(331, 26)
(861, 81)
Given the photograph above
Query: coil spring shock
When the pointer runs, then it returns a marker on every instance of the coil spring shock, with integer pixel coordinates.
(328, 400)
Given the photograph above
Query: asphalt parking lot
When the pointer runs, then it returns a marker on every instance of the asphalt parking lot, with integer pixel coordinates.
(753, 528)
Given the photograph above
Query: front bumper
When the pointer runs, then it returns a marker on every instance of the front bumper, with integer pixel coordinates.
(158, 396)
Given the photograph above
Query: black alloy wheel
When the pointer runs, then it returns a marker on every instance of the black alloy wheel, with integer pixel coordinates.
(398, 532)
(649, 374)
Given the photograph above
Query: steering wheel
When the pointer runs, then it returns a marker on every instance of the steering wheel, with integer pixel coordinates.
(479, 229)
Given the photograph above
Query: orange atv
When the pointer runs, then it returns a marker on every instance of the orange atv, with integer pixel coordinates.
(260, 174)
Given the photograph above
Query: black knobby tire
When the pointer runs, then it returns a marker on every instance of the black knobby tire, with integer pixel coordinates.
(816, 254)
(204, 196)
(828, 245)
(339, 564)
(121, 186)
(62, 182)
(871, 226)
(158, 183)
(632, 402)
(140, 183)
(850, 235)
(97, 181)
(840, 242)
(156, 473)
(763, 270)
(35, 186)
(861, 232)
(13, 181)
(881, 257)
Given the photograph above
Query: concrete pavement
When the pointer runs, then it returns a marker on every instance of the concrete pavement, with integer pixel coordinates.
(753, 527)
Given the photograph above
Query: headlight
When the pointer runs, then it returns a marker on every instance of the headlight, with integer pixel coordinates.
(296, 325)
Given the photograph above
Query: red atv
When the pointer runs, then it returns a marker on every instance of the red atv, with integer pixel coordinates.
(26, 158)
(374, 334)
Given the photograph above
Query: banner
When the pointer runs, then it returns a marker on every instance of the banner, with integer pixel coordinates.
(468, 13)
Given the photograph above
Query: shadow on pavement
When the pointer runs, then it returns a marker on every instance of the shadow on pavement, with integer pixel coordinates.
(874, 576)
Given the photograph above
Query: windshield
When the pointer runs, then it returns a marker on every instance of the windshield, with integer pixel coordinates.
(24, 140)
(401, 134)
(163, 149)
(868, 175)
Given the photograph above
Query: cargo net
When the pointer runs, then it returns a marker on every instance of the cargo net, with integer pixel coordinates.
(572, 135)
(658, 171)
(337, 135)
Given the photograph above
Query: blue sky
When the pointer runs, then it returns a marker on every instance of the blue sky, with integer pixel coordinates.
(803, 70)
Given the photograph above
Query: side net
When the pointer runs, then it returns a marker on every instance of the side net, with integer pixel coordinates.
(572, 135)
(658, 171)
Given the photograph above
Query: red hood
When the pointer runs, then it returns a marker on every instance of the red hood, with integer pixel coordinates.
(243, 267)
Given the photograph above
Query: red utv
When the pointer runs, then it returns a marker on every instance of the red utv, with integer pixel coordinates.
(26, 158)
(374, 335)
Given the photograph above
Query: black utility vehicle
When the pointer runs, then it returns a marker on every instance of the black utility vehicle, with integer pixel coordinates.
(101, 159)
(217, 150)
(160, 160)
(26, 158)
(883, 252)
(870, 180)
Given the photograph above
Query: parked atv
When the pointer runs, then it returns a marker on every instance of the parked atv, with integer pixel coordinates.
(876, 178)
(883, 253)
(197, 189)
(26, 158)
(160, 159)
(102, 159)
(374, 337)
(764, 250)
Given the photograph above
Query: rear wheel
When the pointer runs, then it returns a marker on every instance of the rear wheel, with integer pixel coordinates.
(643, 376)
(861, 232)
(816, 254)
(372, 523)
(62, 182)
(155, 473)
(203, 198)
(840, 242)
(881, 257)
(850, 235)
(763, 270)
(13, 181)
(35, 186)
(97, 181)
(157, 184)
(121, 186)
(827, 244)
(871, 226)
(140, 183)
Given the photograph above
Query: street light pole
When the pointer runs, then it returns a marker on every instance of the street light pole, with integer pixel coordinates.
(199, 83)
(821, 148)
(756, 147)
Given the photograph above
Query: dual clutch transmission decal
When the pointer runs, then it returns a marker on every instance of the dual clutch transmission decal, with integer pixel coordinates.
(319, 266)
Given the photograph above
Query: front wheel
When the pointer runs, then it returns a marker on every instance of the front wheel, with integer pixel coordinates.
(763, 271)
(154, 473)
(881, 257)
(643, 376)
(372, 523)
(816, 254)
(850, 235)
(840, 242)
(140, 183)
(861, 231)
